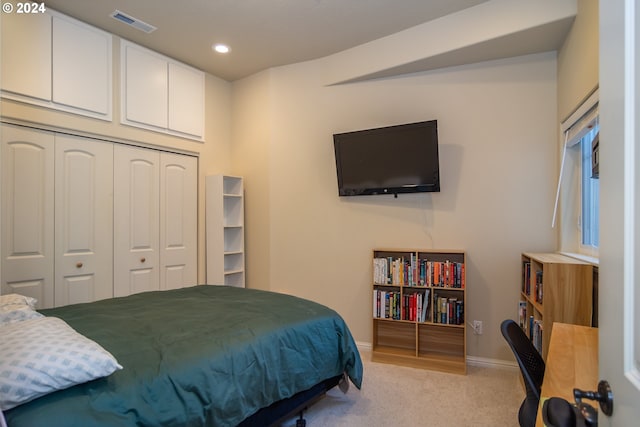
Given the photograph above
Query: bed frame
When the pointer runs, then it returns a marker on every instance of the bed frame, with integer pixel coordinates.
(282, 410)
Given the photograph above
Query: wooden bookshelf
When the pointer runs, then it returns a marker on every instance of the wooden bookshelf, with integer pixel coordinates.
(402, 334)
(554, 288)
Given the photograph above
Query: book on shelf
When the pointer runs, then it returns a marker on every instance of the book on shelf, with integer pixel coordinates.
(537, 330)
(386, 305)
(444, 274)
(526, 277)
(410, 271)
(448, 310)
(389, 304)
(538, 287)
(522, 315)
(425, 307)
(394, 271)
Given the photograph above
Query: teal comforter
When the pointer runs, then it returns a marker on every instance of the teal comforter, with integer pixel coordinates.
(199, 356)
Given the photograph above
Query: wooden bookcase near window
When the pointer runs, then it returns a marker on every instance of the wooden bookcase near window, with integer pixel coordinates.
(554, 288)
(403, 332)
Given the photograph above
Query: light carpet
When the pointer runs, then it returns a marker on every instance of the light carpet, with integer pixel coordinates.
(399, 396)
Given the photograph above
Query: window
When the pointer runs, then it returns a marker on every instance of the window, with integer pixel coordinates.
(590, 195)
(578, 193)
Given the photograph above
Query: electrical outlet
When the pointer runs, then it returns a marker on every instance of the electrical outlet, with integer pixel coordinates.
(477, 327)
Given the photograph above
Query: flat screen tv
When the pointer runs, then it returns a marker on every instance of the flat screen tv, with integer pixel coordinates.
(388, 160)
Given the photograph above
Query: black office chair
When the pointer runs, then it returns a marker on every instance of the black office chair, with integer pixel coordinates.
(531, 366)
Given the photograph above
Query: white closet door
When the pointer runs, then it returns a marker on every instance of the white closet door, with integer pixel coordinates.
(178, 220)
(136, 220)
(27, 213)
(84, 220)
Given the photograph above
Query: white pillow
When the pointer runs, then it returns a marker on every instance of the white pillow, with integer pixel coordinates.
(42, 355)
(16, 308)
(17, 299)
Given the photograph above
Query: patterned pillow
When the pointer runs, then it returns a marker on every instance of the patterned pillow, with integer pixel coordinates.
(42, 355)
(17, 299)
(16, 308)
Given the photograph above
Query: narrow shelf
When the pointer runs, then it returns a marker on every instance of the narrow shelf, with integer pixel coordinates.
(225, 230)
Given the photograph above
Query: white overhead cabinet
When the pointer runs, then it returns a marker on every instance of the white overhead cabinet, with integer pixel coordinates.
(186, 100)
(51, 60)
(81, 67)
(121, 220)
(26, 56)
(144, 87)
(161, 94)
(225, 230)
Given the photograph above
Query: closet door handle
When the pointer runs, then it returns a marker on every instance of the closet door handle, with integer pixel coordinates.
(79, 265)
(143, 259)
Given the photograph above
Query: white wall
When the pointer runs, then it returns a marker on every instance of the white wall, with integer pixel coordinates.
(497, 128)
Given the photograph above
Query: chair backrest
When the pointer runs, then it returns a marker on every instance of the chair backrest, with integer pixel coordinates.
(529, 360)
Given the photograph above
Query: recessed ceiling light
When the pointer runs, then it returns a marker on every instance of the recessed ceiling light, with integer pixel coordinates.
(221, 48)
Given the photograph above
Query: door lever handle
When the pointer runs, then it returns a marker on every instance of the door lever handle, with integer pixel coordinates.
(604, 396)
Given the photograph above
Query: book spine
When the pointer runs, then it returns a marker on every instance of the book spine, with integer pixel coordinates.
(375, 308)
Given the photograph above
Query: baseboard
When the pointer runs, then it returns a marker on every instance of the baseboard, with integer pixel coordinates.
(363, 346)
(484, 362)
(481, 362)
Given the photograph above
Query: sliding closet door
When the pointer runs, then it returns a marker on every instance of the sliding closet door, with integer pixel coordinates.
(136, 220)
(27, 213)
(178, 220)
(84, 220)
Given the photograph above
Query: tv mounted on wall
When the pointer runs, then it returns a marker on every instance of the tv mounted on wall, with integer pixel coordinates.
(388, 160)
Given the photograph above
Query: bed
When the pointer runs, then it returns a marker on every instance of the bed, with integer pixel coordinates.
(200, 356)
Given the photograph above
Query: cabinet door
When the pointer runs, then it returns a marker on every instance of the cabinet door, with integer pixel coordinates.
(178, 220)
(186, 100)
(81, 66)
(27, 213)
(144, 89)
(26, 55)
(84, 220)
(136, 220)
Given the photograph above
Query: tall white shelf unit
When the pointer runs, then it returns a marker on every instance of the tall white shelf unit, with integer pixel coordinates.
(225, 230)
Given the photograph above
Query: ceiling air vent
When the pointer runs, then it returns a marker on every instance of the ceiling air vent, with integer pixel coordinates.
(134, 22)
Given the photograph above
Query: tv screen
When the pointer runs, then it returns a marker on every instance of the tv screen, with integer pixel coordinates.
(389, 160)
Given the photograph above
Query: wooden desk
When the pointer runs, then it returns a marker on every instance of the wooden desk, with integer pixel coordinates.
(572, 361)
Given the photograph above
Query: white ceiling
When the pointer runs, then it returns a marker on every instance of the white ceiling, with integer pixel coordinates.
(261, 33)
(269, 33)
